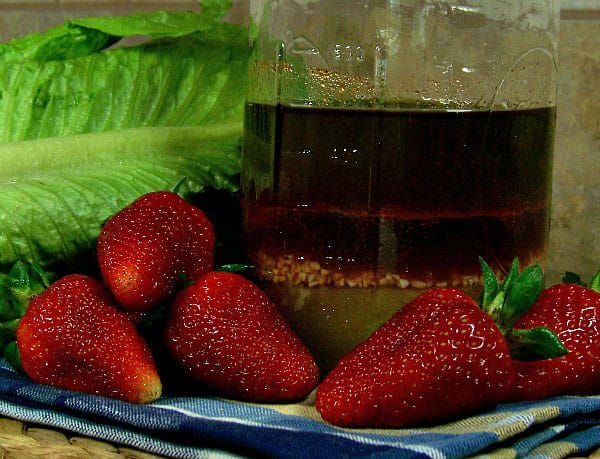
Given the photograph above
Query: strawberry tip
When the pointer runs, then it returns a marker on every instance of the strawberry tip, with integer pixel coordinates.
(150, 390)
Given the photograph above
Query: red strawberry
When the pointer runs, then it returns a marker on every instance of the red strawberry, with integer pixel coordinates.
(438, 357)
(573, 313)
(146, 248)
(226, 334)
(73, 337)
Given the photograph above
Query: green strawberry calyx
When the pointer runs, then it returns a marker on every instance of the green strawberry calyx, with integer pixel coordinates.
(573, 278)
(506, 302)
(595, 282)
(238, 268)
(23, 281)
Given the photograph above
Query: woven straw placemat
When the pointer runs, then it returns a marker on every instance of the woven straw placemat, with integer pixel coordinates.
(20, 440)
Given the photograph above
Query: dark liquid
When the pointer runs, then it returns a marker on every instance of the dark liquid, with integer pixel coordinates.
(424, 193)
(349, 214)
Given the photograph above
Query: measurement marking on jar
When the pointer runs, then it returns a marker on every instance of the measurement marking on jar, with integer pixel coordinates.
(348, 52)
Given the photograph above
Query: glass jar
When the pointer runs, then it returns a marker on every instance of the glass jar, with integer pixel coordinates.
(388, 145)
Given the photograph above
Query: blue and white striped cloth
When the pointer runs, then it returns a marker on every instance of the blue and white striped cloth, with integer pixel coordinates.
(208, 427)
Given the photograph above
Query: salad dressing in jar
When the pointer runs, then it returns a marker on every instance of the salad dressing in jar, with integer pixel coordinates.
(388, 145)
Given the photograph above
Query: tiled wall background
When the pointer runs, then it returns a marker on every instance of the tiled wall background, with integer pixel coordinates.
(575, 231)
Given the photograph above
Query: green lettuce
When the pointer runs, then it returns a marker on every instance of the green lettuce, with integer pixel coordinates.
(83, 36)
(85, 128)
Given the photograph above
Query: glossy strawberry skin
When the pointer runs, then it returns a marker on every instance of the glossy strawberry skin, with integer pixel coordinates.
(573, 313)
(146, 249)
(225, 333)
(438, 357)
(73, 337)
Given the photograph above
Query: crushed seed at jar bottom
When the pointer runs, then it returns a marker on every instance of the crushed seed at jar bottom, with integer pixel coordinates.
(332, 311)
(310, 273)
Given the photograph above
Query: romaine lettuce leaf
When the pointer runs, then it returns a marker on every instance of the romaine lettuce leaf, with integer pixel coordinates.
(53, 212)
(194, 80)
(83, 36)
(83, 133)
(67, 41)
(158, 23)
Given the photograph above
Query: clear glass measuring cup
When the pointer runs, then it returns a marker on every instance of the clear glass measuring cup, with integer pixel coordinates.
(388, 145)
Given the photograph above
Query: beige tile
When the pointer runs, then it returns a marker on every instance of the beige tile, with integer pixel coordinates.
(73, 3)
(575, 230)
(580, 4)
(164, 4)
(239, 11)
(19, 22)
(26, 2)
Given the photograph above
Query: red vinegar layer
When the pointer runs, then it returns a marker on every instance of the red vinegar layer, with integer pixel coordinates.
(376, 251)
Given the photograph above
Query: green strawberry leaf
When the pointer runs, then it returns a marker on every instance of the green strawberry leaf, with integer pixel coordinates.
(509, 301)
(595, 282)
(24, 281)
(7, 311)
(513, 274)
(496, 304)
(155, 318)
(177, 188)
(184, 281)
(572, 278)
(7, 332)
(524, 291)
(12, 356)
(535, 344)
(490, 284)
(239, 268)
